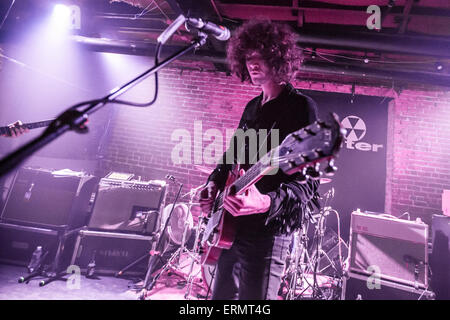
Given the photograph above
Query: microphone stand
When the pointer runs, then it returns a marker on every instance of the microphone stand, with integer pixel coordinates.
(74, 119)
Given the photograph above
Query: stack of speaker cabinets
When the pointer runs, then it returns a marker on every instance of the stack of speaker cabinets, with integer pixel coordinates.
(123, 226)
(388, 259)
(41, 207)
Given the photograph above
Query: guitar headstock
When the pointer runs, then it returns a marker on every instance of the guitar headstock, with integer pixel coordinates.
(305, 149)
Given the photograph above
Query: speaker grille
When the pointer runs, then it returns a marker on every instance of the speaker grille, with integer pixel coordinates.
(396, 259)
(120, 208)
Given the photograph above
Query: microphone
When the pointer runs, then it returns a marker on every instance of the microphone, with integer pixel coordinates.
(219, 32)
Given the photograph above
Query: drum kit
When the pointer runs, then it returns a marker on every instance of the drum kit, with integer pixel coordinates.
(302, 278)
(185, 224)
(311, 272)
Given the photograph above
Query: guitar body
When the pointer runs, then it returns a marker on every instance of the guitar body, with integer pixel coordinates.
(225, 230)
(301, 151)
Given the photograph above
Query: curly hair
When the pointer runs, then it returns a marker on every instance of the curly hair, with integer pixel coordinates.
(275, 42)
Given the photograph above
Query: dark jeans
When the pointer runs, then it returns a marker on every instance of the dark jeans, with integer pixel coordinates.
(251, 269)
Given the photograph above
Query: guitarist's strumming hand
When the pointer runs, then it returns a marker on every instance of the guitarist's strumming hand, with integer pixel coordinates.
(250, 202)
(15, 129)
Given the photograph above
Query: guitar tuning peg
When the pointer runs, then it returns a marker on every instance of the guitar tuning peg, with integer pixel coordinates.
(302, 177)
(323, 124)
(297, 136)
(310, 132)
(330, 169)
(313, 171)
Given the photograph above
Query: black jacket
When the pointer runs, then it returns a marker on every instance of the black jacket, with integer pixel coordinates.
(289, 112)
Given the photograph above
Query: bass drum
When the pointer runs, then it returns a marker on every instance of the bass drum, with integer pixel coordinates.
(181, 218)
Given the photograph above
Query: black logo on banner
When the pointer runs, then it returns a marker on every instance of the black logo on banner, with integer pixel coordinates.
(356, 130)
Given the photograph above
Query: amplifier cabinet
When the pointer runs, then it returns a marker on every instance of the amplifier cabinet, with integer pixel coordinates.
(41, 198)
(17, 243)
(440, 257)
(128, 206)
(111, 251)
(394, 248)
(361, 287)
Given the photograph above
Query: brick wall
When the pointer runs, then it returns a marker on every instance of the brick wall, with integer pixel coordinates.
(141, 140)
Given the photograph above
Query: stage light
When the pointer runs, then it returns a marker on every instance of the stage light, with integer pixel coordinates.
(66, 17)
(61, 15)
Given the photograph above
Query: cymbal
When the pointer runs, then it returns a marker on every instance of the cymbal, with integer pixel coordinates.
(325, 180)
(203, 169)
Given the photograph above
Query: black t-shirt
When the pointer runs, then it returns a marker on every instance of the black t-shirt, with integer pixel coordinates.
(288, 112)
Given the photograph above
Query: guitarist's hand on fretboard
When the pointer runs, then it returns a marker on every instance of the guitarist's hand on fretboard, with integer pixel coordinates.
(15, 129)
(249, 202)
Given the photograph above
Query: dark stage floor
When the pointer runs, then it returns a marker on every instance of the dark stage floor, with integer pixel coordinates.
(102, 288)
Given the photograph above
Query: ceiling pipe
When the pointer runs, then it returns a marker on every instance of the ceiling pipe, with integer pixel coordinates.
(425, 46)
(366, 73)
(146, 49)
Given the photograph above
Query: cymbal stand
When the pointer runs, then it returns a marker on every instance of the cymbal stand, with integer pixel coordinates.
(150, 281)
(173, 263)
(320, 233)
(195, 255)
(299, 261)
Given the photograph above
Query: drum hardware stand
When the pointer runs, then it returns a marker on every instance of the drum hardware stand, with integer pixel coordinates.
(303, 262)
(174, 261)
(320, 232)
(319, 252)
(299, 260)
(195, 255)
(147, 286)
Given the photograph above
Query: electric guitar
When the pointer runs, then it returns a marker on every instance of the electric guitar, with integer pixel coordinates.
(301, 151)
(31, 125)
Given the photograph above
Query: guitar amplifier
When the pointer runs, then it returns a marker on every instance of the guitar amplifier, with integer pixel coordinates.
(131, 206)
(395, 249)
(49, 199)
(111, 251)
(361, 287)
(18, 243)
(440, 256)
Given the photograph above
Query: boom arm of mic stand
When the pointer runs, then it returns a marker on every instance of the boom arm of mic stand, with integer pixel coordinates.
(73, 119)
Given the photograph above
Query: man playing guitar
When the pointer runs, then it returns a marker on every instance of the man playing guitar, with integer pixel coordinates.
(264, 53)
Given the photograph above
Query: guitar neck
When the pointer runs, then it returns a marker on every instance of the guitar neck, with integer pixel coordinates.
(30, 125)
(255, 173)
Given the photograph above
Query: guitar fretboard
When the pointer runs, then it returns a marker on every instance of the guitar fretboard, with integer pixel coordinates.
(254, 172)
(40, 124)
(30, 125)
